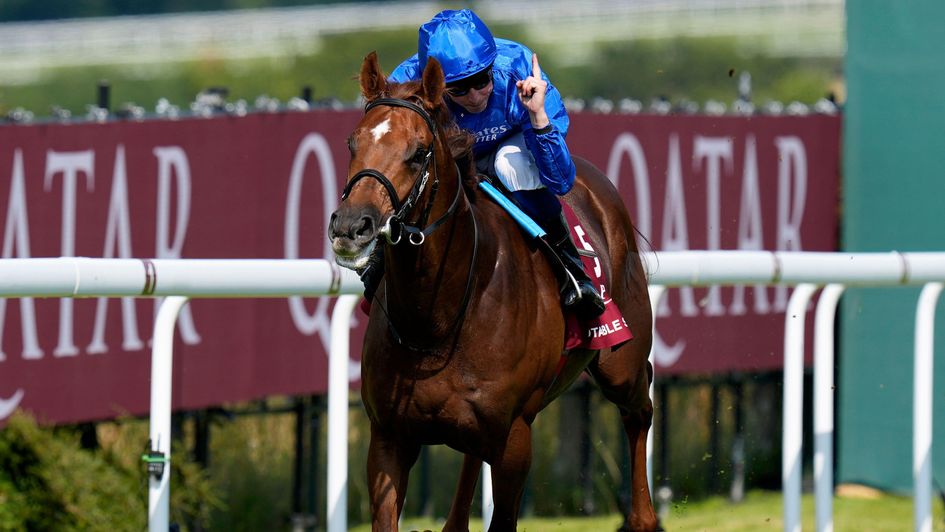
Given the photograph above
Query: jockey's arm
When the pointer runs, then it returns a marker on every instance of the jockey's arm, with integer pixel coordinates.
(547, 145)
(545, 128)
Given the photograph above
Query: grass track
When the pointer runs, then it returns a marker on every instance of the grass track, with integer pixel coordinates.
(760, 511)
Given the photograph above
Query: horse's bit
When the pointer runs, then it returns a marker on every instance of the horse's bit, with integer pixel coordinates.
(416, 234)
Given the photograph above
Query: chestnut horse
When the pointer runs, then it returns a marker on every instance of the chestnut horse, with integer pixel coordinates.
(466, 332)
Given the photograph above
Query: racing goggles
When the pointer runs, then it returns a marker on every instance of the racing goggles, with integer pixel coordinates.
(477, 82)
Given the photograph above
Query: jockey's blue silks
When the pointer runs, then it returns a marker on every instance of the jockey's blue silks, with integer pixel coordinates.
(460, 41)
(503, 130)
(458, 37)
(517, 214)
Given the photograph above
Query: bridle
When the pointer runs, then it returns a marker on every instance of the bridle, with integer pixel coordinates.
(394, 226)
(416, 232)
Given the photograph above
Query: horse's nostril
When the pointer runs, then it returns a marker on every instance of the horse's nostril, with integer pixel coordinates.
(366, 229)
(331, 224)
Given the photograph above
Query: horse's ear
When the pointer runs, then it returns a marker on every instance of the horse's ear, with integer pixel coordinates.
(373, 81)
(433, 83)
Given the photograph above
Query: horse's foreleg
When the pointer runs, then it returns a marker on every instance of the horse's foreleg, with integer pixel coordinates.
(388, 467)
(508, 476)
(458, 519)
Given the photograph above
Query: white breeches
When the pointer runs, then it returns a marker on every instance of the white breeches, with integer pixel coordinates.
(515, 166)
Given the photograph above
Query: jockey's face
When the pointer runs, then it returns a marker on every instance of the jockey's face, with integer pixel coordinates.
(473, 94)
(475, 101)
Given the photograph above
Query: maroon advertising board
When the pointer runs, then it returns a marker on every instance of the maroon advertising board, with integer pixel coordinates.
(263, 186)
(731, 183)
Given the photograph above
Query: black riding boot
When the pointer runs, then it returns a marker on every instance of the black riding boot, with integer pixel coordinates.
(584, 298)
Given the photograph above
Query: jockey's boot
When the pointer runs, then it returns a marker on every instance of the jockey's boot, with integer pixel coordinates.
(578, 292)
(372, 274)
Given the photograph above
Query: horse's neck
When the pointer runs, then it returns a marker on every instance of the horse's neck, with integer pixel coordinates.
(427, 284)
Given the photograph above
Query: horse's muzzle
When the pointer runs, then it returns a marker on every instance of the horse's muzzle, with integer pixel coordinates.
(353, 236)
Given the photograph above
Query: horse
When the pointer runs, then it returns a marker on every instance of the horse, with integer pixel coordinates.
(466, 332)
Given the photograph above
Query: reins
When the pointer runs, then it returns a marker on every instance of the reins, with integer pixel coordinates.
(395, 226)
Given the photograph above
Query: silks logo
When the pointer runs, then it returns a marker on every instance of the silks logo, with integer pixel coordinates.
(490, 134)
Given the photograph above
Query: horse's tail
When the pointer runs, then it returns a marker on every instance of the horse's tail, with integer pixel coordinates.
(644, 252)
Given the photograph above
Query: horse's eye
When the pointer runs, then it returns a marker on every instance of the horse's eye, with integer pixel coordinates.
(352, 145)
(418, 157)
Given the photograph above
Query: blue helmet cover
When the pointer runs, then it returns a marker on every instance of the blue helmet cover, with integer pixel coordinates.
(459, 40)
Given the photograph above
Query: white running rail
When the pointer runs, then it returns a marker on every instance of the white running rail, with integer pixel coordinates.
(808, 271)
(185, 278)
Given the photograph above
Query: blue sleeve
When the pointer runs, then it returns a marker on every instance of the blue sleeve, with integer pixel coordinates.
(555, 167)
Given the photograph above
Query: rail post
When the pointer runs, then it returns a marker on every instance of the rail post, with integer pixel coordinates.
(162, 360)
(656, 292)
(794, 404)
(488, 504)
(823, 404)
(922, 407)
(338, 386)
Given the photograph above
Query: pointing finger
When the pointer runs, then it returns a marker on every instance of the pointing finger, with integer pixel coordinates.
(536, 70)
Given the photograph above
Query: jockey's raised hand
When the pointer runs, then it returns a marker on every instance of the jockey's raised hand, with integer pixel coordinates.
(531, 91)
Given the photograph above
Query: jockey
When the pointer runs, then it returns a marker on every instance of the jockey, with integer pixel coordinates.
(496, 90)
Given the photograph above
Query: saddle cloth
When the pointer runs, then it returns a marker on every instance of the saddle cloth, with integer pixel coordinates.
(610, 329)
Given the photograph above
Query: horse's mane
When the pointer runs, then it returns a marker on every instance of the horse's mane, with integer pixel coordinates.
(459, 141)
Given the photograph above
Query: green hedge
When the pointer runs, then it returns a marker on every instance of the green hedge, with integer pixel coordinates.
(48, 482)
(695, 68)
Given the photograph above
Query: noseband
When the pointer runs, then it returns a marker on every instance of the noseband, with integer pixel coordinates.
(416, 233)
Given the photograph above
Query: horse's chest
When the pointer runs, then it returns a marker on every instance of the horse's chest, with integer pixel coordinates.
(432, 404)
